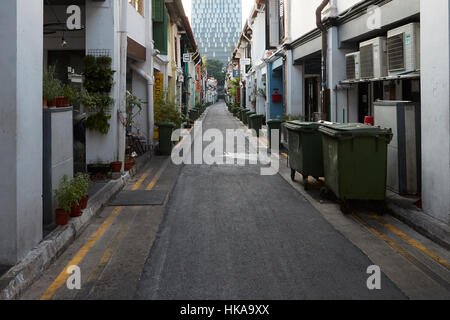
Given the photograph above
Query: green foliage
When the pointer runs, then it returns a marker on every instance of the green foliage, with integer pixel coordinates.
(134, 108)
(98, 82)
(167, 111)
(81, 184)
(67, 195)
(51, 87)
(215, 69)
(98, 75)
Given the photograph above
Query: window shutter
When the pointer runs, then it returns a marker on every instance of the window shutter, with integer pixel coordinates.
(158, 10)
(160, 33)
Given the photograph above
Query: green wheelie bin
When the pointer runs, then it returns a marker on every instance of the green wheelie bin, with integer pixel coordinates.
(241, 114)
(248, 115)
(165, 137)
(355, 161)
(255, 121)
(305, 150)
(274, 124)
(245, 116)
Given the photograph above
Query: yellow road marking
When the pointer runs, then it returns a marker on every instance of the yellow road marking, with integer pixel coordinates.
(79, 256)
(104, 260)
(63, 276)
(141, 180)
(157, 176)
(383, 237)
(412, 242)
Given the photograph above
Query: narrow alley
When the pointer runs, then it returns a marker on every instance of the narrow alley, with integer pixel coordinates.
(226, 232)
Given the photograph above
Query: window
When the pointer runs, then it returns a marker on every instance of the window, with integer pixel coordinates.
(138, 5)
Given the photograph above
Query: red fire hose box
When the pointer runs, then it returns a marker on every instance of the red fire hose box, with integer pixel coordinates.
(277, 97)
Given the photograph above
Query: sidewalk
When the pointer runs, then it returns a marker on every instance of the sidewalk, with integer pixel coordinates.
(403, 209)
(18, 278)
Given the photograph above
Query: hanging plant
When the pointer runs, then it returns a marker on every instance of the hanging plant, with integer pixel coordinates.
(98, 82)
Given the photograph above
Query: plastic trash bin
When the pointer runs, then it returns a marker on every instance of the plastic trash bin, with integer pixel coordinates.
(241, 114)
(274, 124)
(165, 137)
(255, 121)
(245, 115)
(248, 115)
(305, 150)
(355, 161)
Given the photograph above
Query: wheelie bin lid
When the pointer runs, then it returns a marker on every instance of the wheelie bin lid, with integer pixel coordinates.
(166, 124)
(274, 121)
(354, 129)
(256, 116)
(298, 125)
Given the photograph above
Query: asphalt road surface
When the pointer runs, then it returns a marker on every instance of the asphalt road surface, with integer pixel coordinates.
(231, 233)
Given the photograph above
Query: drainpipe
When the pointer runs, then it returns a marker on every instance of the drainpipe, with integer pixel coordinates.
(324, 90)
(123, 32)
(150, 116)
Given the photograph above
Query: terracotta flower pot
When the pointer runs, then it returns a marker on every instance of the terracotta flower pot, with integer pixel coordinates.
(129, 164)
(51, 103)
(64, 102)
(76, 211)
(116, 166)
(84, 202)
(62, 218)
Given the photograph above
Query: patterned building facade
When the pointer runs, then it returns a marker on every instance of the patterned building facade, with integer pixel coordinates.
(216, 25)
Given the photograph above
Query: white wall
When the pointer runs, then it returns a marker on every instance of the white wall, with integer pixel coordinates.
(302, 15)
(20, 128)
(435, 69)
(136, 25)
(102, 19)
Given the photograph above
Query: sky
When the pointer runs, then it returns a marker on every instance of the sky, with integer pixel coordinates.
(246, 8)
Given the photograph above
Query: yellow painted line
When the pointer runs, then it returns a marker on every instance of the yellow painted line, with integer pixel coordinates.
(157, 176)
(141, 180)
(412, 242)
(380, 235)
(63, 276)
(79, 256)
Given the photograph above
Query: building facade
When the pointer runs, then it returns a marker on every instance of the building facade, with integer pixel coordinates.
(216, 25)
(342, 69)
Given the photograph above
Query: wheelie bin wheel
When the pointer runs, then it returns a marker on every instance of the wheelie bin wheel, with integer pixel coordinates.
(293, 172)
(305, 183)
(345, 207)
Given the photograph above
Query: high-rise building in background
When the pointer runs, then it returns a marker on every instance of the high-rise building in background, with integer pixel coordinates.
(216, 25)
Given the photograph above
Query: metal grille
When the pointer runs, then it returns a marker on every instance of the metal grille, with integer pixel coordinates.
(396, 53)
(99, 52)
(367, 68)
(351, 70)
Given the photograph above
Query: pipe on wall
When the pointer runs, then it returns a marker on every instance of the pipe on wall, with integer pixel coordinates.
(324, 31)
(150, 118)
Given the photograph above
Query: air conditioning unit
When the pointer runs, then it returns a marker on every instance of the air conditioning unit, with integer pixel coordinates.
(353, 66)
(404, 49)
(373, 58)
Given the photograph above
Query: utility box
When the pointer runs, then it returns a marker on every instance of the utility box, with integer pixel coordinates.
(404, 152)
(57, 156)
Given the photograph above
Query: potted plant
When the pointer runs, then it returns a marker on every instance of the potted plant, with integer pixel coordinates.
(82, 183)
(116, 166)
(65, 200)
(130, 161)
(51, 88)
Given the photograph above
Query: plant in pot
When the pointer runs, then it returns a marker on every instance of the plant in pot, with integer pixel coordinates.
(82, 182)
(65, 201)
(51, 88)
(130, 161)
(77, 191)
(116, 166)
